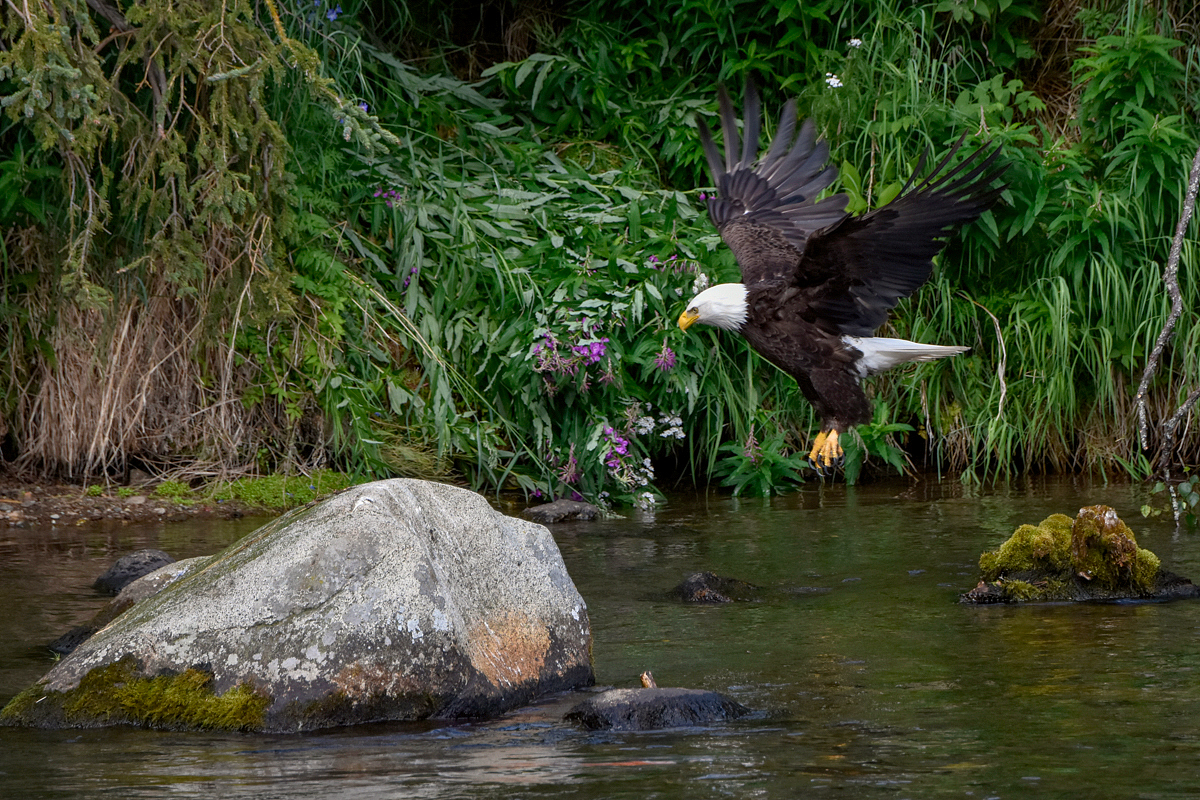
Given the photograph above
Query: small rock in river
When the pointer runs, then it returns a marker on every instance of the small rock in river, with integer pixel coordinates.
(129, 568)
(705, 587)
(654, 709)
(561, 511)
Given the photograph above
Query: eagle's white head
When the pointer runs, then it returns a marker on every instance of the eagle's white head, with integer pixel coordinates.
(723, 305)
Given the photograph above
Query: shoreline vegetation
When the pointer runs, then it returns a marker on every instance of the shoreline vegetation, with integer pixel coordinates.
(31, 503)
(450, 243)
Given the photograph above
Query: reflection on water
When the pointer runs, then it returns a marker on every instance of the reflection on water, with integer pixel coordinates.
(879, 685)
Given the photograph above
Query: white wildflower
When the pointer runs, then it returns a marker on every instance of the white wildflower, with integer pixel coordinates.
(646, 500)
(701, 283)
(855, 42)
(833, 80)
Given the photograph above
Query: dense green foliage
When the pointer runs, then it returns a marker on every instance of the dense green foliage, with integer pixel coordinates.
(292, 243)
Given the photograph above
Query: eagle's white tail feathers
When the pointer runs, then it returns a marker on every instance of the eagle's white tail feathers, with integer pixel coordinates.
(880, 353)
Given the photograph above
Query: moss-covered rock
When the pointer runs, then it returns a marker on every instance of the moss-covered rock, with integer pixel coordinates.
(1093, 557)
(117, 695)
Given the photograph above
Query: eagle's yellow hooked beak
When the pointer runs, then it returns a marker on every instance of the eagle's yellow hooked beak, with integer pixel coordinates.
(687, 318)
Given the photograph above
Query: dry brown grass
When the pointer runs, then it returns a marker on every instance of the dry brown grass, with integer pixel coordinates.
(150, 377)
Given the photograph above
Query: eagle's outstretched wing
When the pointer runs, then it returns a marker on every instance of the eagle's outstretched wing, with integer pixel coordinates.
(874, 260)
(852, 269)
(765, 212)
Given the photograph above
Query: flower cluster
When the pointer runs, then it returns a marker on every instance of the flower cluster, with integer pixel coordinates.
(645, 424)
(646, 501)
(701, 283)
(411, 274)
(855, 43)
(390, 196)
(665, 360)
(623, 468)
(752, 450)
(331, 13)
(548, 358)
(569, 472)
(672, 427)
(591, 352)
(554, 359)
(833, 80)
(656, 263)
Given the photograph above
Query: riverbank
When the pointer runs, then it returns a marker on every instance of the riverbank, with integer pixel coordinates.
(28, 503)
(38, 504)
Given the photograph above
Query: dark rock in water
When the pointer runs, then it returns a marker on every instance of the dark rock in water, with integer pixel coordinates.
(561, 511)
(705, 587)
(140, 589)
(129, 568)
(395, 600)
(654, 709)
(73, 638)
(1091, 558)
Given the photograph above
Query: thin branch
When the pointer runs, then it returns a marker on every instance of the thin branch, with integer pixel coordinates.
(1002, 365)
(1171, 279)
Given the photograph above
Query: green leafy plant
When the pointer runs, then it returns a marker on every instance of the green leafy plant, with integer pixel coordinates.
(1182, 500)
(175, 491)
(761, 468)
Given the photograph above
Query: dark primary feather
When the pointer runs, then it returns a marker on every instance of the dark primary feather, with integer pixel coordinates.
(766, 213)
(872, 261)
(852, 270)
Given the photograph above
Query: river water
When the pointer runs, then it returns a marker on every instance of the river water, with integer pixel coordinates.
(869, 679)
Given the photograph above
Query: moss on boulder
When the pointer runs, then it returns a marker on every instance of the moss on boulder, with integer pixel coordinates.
(117, 694)
(1093, 557)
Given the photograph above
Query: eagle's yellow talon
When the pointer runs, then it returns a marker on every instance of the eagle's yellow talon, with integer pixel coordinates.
(816, 448)
(826, 454)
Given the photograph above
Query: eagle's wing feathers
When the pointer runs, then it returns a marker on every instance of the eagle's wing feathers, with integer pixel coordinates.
(887, 254)
(766, 213)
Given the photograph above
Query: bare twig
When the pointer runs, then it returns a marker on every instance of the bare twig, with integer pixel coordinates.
(1002, 365)
(1171, 279)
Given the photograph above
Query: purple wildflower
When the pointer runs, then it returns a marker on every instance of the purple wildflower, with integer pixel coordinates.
(703, 196)
(751, 449)
(618, 447)
(665, 360)
(591, 352)
(569, 472)
(333, 13)
(363, 104)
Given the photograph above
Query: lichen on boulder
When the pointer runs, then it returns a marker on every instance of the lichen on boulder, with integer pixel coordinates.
(1093, 557)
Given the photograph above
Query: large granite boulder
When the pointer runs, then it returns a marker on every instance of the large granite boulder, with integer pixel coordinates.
(396, 600)
(134, 592)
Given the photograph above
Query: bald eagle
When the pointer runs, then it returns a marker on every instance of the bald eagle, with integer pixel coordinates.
(816, 281)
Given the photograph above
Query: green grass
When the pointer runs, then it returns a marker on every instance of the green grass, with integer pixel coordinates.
(281, 492)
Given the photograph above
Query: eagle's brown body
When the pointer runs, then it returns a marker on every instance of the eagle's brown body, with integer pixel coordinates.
(816, 281)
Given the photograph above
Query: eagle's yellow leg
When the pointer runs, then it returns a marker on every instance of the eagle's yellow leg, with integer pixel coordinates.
(826, 452)
(818, 443)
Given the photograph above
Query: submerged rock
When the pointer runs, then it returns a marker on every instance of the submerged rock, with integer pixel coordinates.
(129, 568)
(705, 587)
(1093, 557)
(561, 511)
(397, 600)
